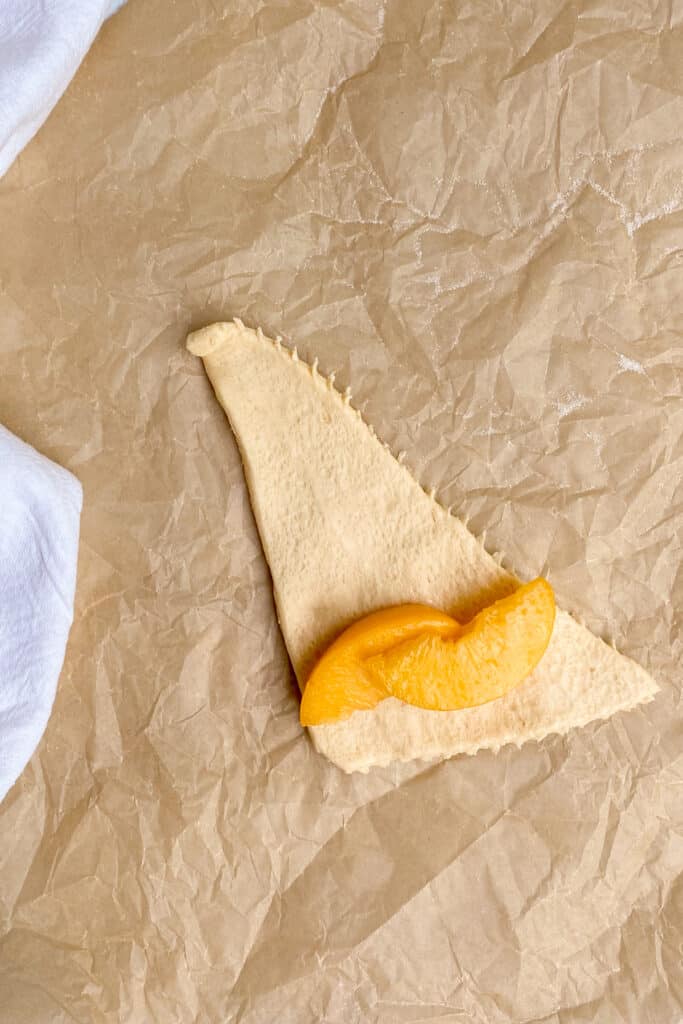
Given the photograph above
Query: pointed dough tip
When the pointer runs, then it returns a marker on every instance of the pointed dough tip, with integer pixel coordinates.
(208, 340)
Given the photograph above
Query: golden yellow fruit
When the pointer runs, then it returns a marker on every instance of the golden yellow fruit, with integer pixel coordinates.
(491, 655)
(424, 657)
(339, 685)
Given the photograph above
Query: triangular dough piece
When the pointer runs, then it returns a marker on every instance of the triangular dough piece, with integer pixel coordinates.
(346, 530)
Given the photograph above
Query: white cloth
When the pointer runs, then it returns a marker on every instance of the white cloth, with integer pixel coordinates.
(40, 509)
(42, 42)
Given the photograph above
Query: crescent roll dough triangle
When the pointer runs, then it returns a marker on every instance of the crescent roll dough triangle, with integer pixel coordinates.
(347, 530)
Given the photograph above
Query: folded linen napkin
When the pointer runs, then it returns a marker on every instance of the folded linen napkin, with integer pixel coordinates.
(40, 508)
(42, 42)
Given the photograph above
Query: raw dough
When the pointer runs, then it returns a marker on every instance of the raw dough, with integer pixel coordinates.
(347, 530)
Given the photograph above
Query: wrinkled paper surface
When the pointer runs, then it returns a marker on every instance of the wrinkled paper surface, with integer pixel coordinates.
(473, 212)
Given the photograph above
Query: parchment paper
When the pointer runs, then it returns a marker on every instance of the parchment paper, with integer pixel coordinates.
(474, 213)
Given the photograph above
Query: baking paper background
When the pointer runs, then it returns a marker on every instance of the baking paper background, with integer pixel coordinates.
(473, 212)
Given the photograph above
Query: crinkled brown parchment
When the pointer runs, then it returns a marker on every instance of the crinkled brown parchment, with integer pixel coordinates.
(474, 213)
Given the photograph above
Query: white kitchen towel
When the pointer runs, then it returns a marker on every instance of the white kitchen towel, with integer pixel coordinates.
(40, 510)
(42, 42)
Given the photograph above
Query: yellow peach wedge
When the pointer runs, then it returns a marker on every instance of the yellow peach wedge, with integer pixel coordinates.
(425, 658)
(339, 684)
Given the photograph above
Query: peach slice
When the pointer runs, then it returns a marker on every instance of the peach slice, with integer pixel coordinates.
(425, 658)
(339, 684)
(491, 655)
